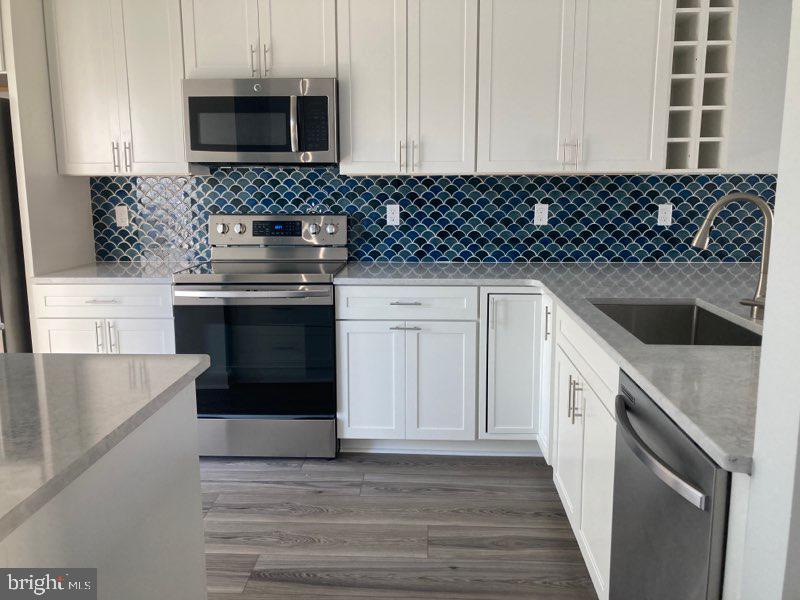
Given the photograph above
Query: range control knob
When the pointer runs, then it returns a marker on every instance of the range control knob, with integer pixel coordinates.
(330, 229)
(314, 228)
(239, 228)
(222, 228)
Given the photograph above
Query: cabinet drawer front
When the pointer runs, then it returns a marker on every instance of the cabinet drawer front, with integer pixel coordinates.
(598, 368)
(407, 303)
(100, 301)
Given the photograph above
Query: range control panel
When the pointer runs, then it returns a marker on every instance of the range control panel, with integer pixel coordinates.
(277, 230)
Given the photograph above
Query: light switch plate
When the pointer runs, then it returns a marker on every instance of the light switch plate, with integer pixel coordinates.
(665, 214)
(393, 214)
(541, 214)
(121, 215)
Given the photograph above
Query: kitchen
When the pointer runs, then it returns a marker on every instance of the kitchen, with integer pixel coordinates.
(446, 298)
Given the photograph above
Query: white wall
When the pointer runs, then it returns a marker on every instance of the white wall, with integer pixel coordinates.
(772, 540)
(759, 78)
(55, 211)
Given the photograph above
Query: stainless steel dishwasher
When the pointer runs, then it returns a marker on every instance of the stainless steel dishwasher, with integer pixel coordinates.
(670, 508)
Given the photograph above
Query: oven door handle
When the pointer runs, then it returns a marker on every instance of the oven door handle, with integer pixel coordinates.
(649, 459)
(217, 294)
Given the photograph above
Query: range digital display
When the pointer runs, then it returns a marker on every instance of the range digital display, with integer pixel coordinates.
(277, 229)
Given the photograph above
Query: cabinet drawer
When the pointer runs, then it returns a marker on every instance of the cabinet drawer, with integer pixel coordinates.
(102, 301)
(575, 341)
(407, 303)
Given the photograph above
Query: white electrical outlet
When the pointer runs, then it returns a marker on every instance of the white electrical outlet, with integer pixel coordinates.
(393, 214)
(121, 215)
(541, 214)
(665, 214)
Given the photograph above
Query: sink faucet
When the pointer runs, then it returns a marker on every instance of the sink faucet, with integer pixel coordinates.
(701, 239)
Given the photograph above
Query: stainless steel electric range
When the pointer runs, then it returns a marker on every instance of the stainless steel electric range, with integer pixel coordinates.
(262, 309)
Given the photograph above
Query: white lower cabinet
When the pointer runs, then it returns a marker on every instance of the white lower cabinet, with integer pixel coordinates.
(406, 380)
(106, 336)
(585, 432)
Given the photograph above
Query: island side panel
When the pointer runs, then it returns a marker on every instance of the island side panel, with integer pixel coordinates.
(135, 515)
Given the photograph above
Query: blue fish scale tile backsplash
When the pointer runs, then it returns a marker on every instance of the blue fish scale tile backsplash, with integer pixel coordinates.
(608, 218)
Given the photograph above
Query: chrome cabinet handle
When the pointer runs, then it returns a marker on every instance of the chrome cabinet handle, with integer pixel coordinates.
(413, 155)
(649, 459)
(253, 69)
(569, 397)
(577, 387)
(399, 303)
(402, 151)
(546, 323)
(115, 156)
(102, 301)
(576, 147)
(112, 344)
(267, 59)
(293, 123)
(399, 328)
(128, 152)
(98, 337)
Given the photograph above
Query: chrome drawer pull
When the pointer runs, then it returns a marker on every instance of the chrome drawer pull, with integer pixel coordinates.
(405, 328)
(102, 301)
(399, 303)
(577, 387)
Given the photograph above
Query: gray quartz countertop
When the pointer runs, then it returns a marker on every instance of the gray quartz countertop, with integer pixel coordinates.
(709, 391)
(60, 413)
(115, 272)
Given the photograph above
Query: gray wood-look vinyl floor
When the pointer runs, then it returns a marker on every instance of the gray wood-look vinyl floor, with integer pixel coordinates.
(388, 526)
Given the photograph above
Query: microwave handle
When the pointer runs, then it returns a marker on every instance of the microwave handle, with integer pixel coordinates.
(293, 124)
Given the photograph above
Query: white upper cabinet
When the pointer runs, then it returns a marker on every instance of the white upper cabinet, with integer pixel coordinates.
(525, 84)
(407, 79)
(259, 38)
(221, 38)
(440, 388)
(372, 85)
(442, 78)
(621, 88)
(115, 70)
(298, 38)
(83, 72)
(154, 142)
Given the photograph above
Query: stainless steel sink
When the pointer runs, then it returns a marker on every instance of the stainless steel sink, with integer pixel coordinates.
(677, 324)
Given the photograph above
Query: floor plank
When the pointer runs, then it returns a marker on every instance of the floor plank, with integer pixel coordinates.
(389, 510)
(228, 573)
(455, 486)
(512, 543)
(314, 539)
(371, 578)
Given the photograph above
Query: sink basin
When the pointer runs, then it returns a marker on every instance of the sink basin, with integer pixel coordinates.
(678, 324)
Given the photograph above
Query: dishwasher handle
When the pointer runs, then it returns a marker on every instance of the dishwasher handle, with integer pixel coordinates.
(649, 459)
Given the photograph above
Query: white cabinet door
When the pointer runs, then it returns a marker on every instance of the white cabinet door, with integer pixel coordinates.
(513, 381)
(84, 48)
(298, 38)
(526, 55)
(141, 336)
(440, 380)
(221, 38)
(71, 336)
(599, 443)
(621, 89)
(152, 137)
(442, 77)
(371, 379)
(568, 470)
(372, 86)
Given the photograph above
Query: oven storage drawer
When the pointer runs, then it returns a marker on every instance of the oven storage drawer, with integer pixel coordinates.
(450, 303)
(95, 301)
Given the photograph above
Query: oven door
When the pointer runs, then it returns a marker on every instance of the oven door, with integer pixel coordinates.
(283, 121)
(272, 349)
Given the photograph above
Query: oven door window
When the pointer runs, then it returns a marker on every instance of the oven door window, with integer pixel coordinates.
(275, 361)
(239, 124)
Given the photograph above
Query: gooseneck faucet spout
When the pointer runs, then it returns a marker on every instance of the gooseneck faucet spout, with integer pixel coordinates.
(701, 240)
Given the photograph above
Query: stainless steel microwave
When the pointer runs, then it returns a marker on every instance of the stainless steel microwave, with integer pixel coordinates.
(261, 121)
